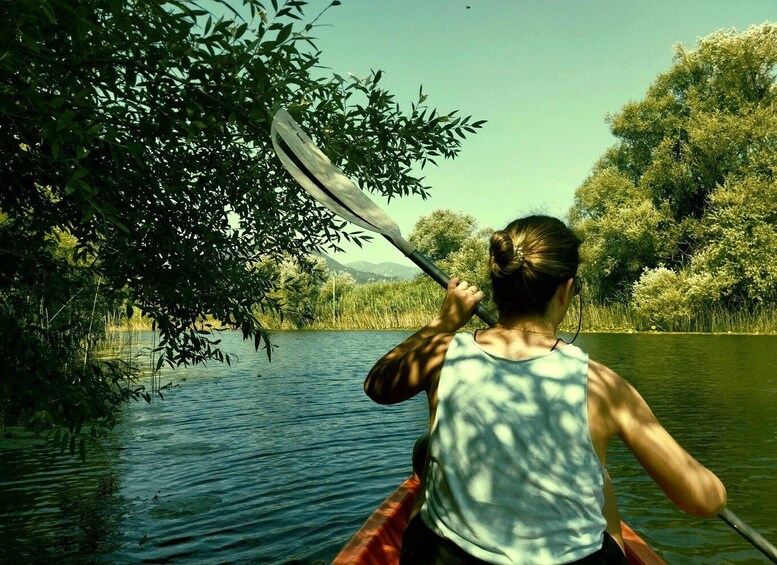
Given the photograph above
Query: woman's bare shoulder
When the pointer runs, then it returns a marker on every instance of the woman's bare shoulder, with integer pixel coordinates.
(431, 350)
(610, 387)
(602, 375)
(409, 368)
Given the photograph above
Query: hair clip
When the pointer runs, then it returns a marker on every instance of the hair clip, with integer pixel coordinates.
(519, 256)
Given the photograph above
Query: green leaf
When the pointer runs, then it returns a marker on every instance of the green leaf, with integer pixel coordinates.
(88, 214)
(71, 186)
(284, 34)
(240, 31)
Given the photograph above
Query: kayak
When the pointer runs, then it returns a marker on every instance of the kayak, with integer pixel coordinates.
(378, 541)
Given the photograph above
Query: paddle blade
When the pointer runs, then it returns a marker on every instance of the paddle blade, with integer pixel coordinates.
(326, 182)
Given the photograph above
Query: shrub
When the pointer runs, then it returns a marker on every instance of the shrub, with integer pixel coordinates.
(659, 299)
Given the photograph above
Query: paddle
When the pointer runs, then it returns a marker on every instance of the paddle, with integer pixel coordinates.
(758, 541)
(331, 187)
(328, 184)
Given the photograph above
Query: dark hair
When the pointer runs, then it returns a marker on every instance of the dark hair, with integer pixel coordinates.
(528, 260)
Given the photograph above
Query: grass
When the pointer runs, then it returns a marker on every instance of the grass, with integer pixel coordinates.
(411, 304)
(620, 318)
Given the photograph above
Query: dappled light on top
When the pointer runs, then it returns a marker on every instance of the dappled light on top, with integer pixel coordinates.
(516, 429)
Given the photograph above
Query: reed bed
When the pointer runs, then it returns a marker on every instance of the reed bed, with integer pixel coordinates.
(411, 304)
(618, 317)
(758, 320)
(393, 305)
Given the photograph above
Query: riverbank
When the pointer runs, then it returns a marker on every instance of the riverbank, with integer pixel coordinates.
(410, 304)
(616, 318)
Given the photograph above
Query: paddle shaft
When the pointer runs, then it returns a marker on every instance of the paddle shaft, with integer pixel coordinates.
(758, 541)
(430, 268)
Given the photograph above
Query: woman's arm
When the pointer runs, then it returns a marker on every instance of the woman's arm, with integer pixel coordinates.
(407, 369)
(689, 484)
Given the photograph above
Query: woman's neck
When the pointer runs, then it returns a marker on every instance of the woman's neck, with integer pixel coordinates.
(537, 325)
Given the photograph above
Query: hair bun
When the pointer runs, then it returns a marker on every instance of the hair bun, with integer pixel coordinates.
(528, 260)
(504, 259)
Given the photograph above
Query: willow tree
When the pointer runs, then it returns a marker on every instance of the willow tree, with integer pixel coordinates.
(689, 191)
(137, 133)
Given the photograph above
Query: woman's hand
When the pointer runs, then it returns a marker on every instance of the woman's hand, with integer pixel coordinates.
(458, 307)
(414, 365)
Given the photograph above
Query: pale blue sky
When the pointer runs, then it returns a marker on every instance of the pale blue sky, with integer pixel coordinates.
(543, 73)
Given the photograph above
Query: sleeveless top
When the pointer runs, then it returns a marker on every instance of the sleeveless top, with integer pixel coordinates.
(513, 476)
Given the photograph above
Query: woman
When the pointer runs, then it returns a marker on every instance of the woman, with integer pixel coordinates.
(520, 421)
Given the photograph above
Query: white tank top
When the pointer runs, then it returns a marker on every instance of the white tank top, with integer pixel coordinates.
(513, 476)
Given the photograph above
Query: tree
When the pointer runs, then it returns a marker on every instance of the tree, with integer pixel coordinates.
(689, 186)
(297, 285)
(470, 261)
(140, 130)
(658, 297)
(454, 241)
(741, 253)
(622, 230)
(442, 233)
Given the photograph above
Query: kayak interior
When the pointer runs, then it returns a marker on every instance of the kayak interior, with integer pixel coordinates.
(378, 541)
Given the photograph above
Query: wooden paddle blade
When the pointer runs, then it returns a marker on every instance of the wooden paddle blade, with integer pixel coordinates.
(327, 183)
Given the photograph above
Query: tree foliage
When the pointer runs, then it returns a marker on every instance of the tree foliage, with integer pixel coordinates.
(140, 130)
(454, 240)
(689, 188)
(442, 233)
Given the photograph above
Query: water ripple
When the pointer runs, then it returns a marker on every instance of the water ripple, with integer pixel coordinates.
(231, 468)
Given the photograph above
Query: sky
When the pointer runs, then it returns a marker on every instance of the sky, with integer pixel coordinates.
(544, 74)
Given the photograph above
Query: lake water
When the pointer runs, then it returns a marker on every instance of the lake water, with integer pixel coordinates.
(281, 462)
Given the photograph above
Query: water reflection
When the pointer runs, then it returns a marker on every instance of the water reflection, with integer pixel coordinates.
(54, 507)
(232, 467)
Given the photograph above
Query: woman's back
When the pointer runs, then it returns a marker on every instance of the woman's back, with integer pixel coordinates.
(513, 476)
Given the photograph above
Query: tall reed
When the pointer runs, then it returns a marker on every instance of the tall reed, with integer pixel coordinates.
(410, 304)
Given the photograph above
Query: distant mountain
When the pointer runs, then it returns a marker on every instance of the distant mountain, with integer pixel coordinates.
(389, 270)
(359, 276)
